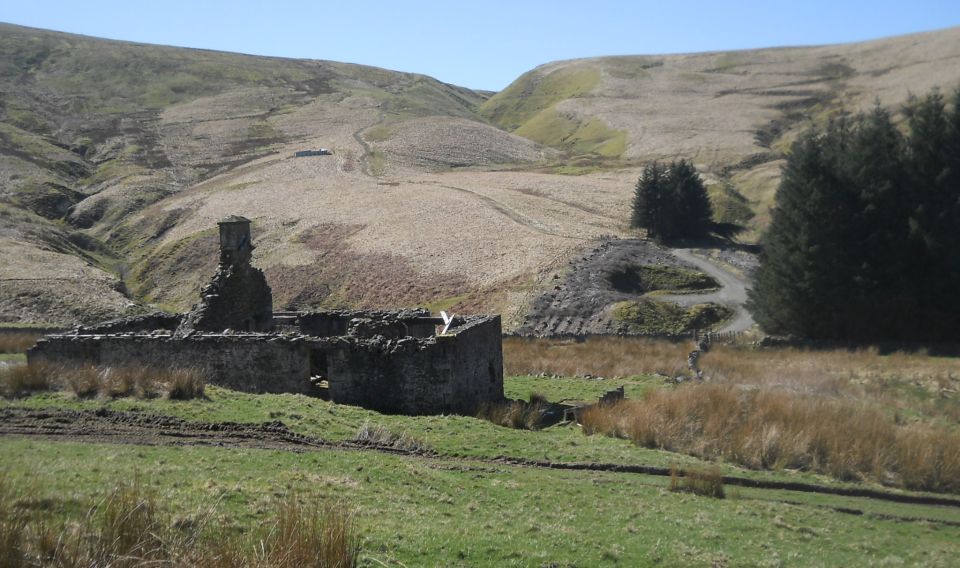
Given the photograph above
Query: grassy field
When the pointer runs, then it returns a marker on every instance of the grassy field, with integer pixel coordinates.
(463, 504)
(436, 512)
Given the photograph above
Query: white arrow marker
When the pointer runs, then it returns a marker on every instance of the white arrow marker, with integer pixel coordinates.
(447, 320)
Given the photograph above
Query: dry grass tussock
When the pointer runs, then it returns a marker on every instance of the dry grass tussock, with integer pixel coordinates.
(20, 380)
(518, 414)
(907, 382)
(600, 356)
(762, 428)
(706, 482)
(843, 372)
(104, 382)
(128, 529)
(18, 342)
(381, 436)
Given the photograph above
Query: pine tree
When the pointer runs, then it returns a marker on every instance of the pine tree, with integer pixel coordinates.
(934, 177)
(864, 242)
(798, 286)
(694, 215)
(875, 241)
(650, 203)
(671, 201)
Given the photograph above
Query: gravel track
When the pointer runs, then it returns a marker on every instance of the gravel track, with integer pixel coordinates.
(581, 303)
(732, 292)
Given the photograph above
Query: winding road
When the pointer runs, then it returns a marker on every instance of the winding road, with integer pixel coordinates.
(732, 292)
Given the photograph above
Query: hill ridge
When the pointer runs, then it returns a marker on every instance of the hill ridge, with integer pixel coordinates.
(116, 157)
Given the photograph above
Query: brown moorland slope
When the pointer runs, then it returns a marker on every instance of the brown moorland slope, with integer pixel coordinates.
(734, 114)
(116, 159)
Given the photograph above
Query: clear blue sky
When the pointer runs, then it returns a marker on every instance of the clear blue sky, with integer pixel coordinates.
(484, 45)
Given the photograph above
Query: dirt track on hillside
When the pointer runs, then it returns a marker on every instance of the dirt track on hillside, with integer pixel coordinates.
(732, 292)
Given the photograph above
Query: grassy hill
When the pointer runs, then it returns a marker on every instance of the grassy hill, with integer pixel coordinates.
(734, 113)
(117, 159)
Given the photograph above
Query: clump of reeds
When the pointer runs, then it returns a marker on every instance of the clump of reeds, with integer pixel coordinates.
(706, 482)
(762, 428)
(22, 379)
(598, 356)
(310, 535)
(128, 529)
(184, 384)
(377, 435)
(518, 414)
(129, 526)
(18, 342)
(87, 381)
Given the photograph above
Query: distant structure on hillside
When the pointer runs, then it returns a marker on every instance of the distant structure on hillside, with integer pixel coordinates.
(390, 361)
(320, 152)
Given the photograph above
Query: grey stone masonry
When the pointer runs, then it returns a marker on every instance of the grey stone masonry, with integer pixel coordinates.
(390, 361)
(238, 297)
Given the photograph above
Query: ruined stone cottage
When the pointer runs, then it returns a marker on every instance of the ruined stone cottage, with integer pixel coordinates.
(390, 361)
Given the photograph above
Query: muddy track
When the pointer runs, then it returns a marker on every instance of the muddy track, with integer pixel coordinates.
(109, 426)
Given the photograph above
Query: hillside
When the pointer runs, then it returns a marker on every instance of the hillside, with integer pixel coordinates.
(733, 113)
(117, 159)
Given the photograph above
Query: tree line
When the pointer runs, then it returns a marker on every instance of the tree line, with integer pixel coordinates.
(864, 240)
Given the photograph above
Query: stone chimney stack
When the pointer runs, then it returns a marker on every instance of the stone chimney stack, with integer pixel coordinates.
(237, 296)
(235, 245)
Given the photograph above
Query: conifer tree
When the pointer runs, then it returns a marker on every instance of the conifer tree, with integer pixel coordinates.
(650, 207)
(693, 211)
(798, 286)
(864, 242)
(671, 201)
(933, 169)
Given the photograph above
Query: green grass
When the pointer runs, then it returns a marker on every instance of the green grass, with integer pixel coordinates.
(569, 388)
(436, 512)
(377, 162)
(533, 92)
(729, 206)
(379, 133)
(453, 435)
(115, 169)
(27, 326)
(448, 435)
(592, 137)
(651, 316)
(728, 62)
(453, 510)
(29, 143)
(671, 279)
(630, 67)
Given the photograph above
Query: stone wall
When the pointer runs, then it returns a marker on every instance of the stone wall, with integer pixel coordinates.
(237, 298)
(367, 323)
(247, 363)
(142, 323)
(452, 373)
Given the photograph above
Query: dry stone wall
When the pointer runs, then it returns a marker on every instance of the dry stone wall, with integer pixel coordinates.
(247, 363)
(448, 373)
